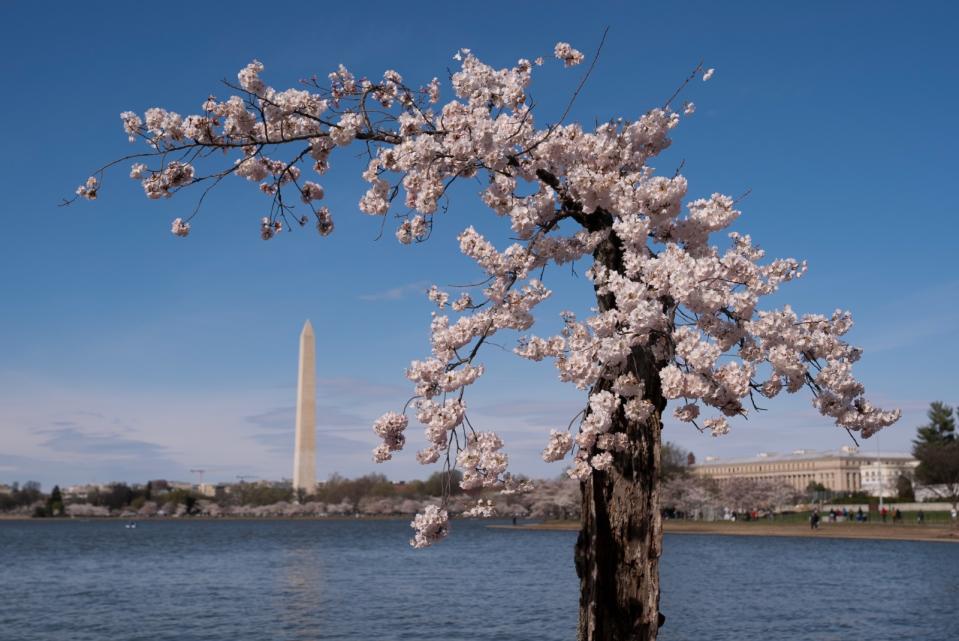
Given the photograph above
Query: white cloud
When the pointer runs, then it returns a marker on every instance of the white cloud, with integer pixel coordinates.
(397, 293)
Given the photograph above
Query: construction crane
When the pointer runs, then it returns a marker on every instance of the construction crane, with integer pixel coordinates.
(199, 475)
(244, 477)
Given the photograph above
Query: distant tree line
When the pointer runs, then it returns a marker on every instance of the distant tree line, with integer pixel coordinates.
(21, 496)
(369, 495)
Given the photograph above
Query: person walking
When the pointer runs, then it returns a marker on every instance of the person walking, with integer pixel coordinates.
(814, 520)
(921, 517)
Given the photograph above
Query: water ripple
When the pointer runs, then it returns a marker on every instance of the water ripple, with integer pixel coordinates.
(360, 581)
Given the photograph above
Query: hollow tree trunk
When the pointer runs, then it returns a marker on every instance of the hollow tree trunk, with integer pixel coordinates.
(617, 553)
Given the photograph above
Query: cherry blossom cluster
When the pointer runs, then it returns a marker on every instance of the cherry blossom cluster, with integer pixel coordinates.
(482, 510)
(567, 54)
(667, 293)
(180, 227)
(88, 189)
(482, 462)
(439, 419)
(560, 443)
(430, 525)
(389, 427)
(515, 485)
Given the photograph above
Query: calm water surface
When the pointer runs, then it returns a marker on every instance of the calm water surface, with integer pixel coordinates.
(360, 581)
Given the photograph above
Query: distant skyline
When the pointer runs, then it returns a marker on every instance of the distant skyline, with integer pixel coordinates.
(128, 354)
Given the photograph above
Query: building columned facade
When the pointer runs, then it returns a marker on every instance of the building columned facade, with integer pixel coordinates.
(846, 470)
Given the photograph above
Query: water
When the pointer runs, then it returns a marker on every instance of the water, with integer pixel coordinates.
(360, 581)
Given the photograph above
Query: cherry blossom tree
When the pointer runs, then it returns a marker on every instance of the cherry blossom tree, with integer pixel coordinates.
(744, 494)
(677, 314)
(692, 496)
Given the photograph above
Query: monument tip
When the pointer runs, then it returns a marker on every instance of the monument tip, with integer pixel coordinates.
(307, 327)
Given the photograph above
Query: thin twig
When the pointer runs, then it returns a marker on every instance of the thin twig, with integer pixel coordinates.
(572, 99)
(688, 79)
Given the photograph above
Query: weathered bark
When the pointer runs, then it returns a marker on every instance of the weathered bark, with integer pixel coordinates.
(617, 554)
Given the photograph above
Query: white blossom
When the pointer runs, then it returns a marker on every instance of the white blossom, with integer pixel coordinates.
(559, 445)
(482, 510)
(718, 426)
(88, 189)
(431, 526)
(602, 461)
(570, 57)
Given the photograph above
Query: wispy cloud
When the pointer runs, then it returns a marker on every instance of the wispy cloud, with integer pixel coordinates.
(397, 293)
(281, 443)
(355, 388)
(70, 438)
(73, 452)
(340, 431)
(327, 416)
(553, 414)
(88, 469)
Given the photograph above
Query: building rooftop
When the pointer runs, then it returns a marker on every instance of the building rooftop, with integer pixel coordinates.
(802, 455)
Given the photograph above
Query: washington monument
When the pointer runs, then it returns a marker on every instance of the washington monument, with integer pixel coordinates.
(304, 457)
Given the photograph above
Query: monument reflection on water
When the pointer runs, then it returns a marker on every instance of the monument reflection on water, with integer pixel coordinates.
(301, 583)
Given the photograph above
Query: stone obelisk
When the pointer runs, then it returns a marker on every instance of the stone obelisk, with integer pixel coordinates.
(304, 457)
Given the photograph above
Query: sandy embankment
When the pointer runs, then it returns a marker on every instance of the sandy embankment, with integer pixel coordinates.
(887, 531)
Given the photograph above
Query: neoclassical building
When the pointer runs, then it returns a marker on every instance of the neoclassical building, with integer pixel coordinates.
(846, 470)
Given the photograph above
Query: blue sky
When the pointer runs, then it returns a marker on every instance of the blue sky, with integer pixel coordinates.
(126, 353)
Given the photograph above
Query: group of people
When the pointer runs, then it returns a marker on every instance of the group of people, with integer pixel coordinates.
(896, 515)
(862, 517)
(834, 515)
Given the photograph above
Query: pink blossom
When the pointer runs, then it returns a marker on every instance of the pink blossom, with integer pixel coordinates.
(311, 191)
(180, 228)
(389, 427)
(559, 445)
(324, 221)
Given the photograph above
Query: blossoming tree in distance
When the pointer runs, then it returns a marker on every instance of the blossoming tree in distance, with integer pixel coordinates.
(669, 304)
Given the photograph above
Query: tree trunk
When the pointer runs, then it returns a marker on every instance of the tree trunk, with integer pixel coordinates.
(617, 553)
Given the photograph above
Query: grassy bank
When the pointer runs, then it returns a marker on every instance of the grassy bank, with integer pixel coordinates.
(881, 531)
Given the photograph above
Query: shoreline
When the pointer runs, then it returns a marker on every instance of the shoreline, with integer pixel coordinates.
(862, 531)
(147, 519)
